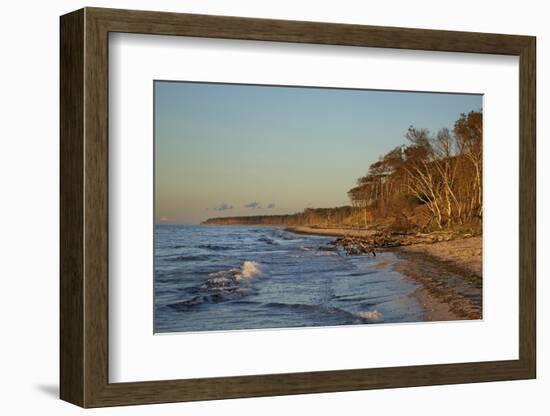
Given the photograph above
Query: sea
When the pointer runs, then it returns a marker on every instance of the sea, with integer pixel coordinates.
(226, 278)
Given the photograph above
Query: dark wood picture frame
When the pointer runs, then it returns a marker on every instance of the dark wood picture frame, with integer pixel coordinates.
(84, 207)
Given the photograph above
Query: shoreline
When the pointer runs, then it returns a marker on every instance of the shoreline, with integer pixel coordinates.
(448, 269)
(331, 232)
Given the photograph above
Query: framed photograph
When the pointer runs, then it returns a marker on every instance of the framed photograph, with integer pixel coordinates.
(255, 207)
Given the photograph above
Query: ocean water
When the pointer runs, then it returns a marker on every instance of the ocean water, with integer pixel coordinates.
(212, 278)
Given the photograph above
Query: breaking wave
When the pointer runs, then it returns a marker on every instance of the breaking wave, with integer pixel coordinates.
(248, 270)
(223, 285)
(373, 315)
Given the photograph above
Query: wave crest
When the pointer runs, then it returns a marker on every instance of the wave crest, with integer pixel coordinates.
(221, 286)
(373, 315)
(248, 270)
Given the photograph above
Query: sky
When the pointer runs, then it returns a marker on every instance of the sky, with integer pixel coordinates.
(233, 149)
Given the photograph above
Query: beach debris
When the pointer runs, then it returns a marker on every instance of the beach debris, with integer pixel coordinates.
(355, 245)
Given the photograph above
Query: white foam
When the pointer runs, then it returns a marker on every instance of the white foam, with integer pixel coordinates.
(218, 280)
(249, 269)
(370, 315)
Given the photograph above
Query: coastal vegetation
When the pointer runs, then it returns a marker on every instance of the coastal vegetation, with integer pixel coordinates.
(431, 182)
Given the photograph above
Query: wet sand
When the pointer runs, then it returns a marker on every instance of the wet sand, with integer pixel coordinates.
(450, 275)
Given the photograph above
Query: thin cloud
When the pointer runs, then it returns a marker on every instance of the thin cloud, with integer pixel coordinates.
(271, 205)
(253, 205)
(223, 207)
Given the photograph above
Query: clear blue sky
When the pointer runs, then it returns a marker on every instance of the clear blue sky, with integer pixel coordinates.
(226, 150)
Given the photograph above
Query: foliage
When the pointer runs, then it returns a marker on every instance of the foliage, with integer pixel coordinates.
(442, 172)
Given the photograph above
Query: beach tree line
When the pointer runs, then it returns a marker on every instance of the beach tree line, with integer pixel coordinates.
(441, 173)
(321, 217)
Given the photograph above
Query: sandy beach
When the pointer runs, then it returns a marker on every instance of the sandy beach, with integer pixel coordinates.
(465, 253)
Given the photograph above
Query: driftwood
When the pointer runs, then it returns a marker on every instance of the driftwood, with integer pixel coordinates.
(353, 245)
